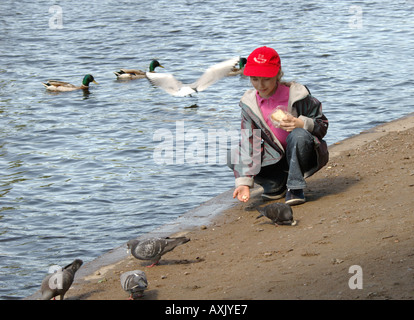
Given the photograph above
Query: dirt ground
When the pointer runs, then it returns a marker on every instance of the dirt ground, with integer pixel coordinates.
(359, 212)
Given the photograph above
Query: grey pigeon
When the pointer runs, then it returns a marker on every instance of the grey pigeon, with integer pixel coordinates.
(135, 283)
(153, 248)
(279, 213)
(56, 284)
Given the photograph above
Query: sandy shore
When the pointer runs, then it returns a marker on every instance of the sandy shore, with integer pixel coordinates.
(359, 212)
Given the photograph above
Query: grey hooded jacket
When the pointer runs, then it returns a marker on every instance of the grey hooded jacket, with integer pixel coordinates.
(269, 150)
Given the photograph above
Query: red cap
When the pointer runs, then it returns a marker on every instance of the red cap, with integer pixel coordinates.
(262, 62)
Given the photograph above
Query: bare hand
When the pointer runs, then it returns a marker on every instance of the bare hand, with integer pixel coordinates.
(242, 193)
(290, 123)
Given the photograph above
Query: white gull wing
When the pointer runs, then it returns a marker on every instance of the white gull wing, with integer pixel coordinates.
(169, 84)
(214, 73)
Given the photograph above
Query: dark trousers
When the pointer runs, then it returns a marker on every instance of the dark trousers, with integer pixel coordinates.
(300, 157)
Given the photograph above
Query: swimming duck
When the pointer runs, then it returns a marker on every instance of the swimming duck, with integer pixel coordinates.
(54, 85)
(171, 85)
(238, 70)
(127, 74)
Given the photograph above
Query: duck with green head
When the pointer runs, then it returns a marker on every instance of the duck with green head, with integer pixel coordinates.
(54, 85)
(128, 74)
(239, 69)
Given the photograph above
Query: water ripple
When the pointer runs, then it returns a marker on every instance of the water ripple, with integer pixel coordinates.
(77, 168)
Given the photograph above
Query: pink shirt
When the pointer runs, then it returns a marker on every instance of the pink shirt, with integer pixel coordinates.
(268, 106)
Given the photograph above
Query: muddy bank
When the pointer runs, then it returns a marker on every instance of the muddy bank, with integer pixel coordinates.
(359, 212)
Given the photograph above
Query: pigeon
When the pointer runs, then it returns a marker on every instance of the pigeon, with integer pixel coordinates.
(279, 213)
(153, 248)
(171, 85)
(56, 284)
(135, 283)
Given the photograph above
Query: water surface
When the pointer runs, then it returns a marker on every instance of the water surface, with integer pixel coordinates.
(77, 173)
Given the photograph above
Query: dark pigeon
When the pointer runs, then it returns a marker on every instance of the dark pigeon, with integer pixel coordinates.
(58, 283)
(135, 283)
(279, 213)
(154, 248)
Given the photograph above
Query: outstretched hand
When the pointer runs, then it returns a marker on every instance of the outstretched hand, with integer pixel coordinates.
(242, 193)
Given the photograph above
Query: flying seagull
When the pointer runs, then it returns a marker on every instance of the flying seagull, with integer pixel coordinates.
(171, 85)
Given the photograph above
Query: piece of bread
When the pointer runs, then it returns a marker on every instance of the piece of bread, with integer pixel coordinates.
(279, 115)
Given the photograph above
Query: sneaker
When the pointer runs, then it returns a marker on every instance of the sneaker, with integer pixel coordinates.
(274, 195)
(295, 197)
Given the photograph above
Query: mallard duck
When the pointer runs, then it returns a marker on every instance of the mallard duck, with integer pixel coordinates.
(171, 85)
(54, 85)
(127, 74)
(238, 70)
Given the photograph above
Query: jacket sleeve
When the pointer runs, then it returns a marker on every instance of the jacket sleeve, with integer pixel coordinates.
(247, 160)
(309, 109)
